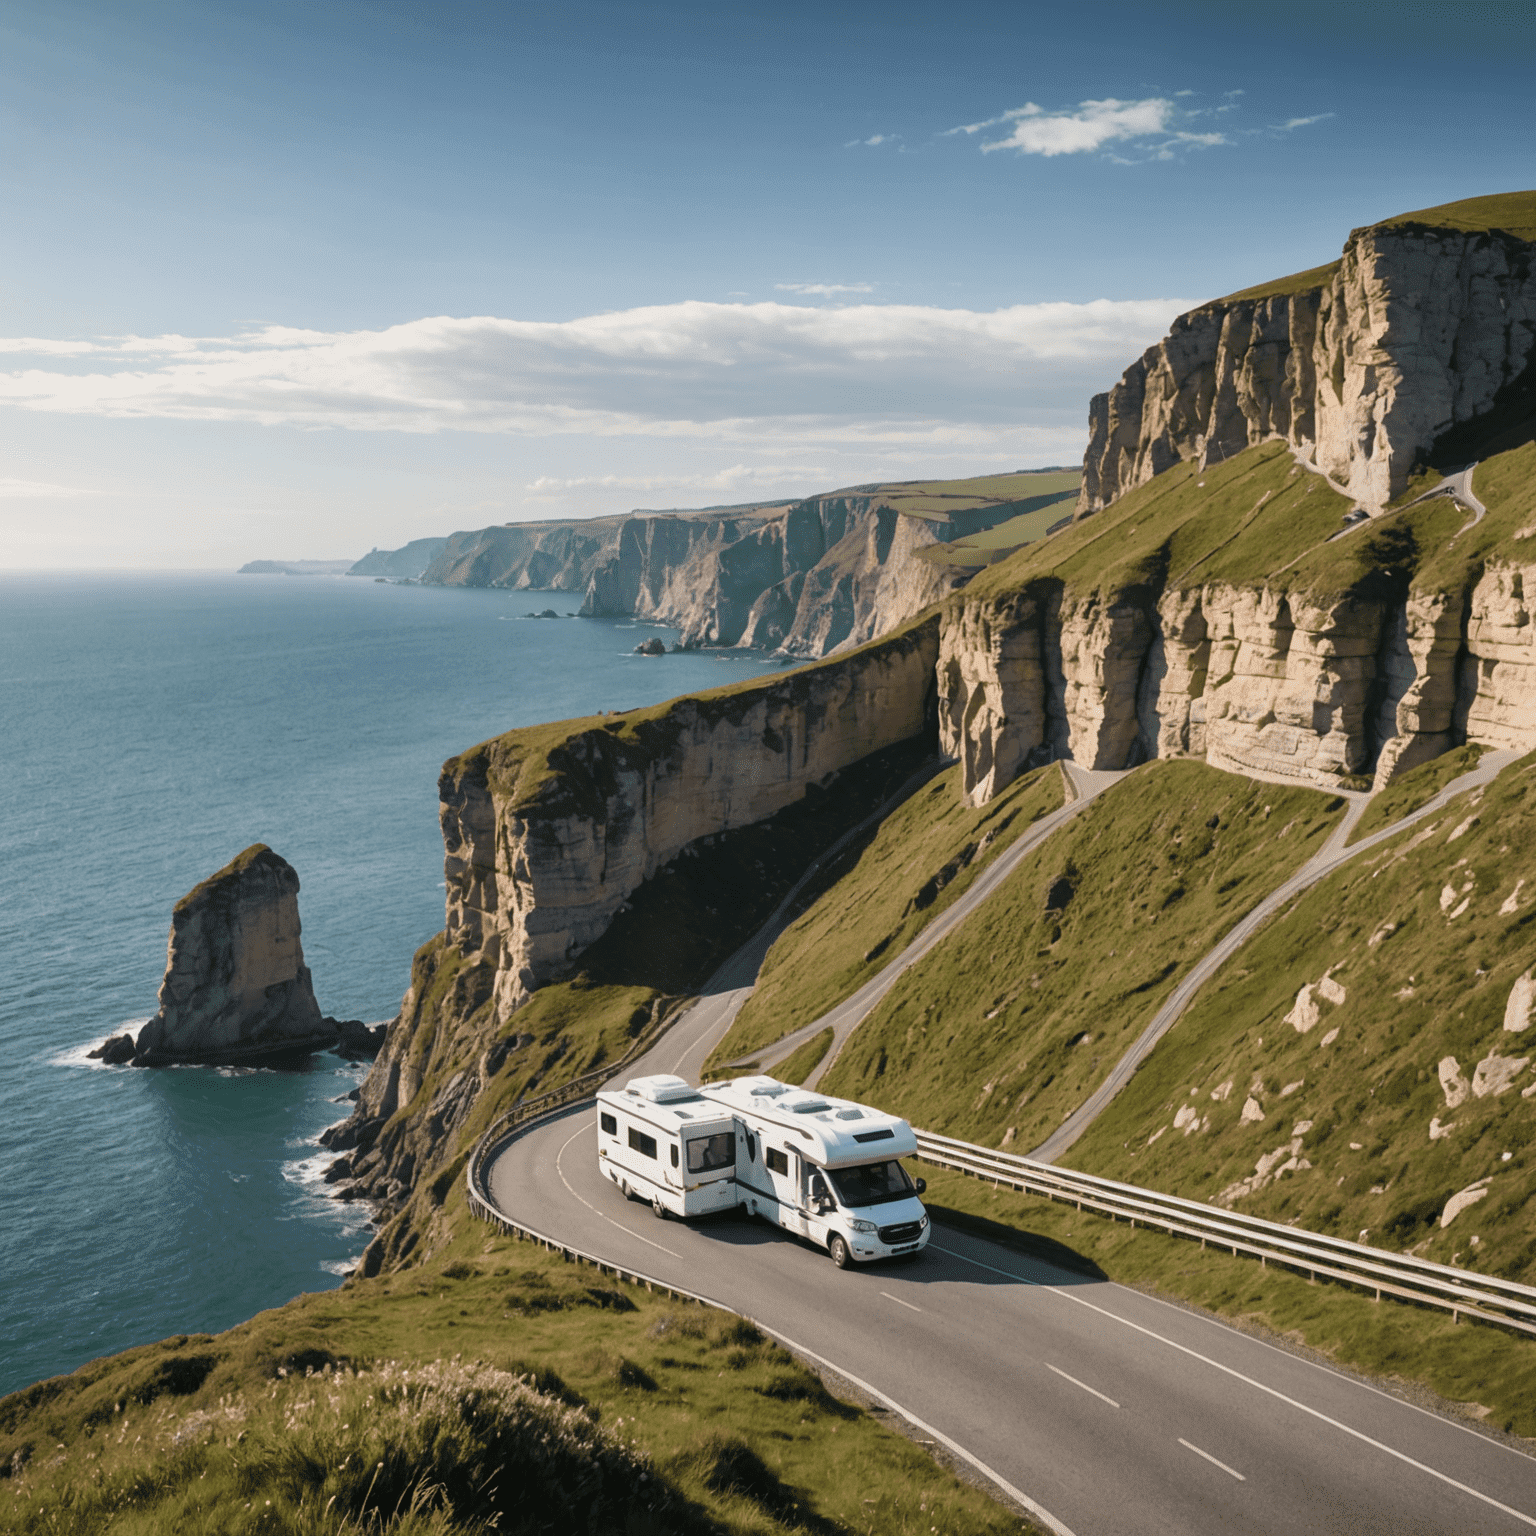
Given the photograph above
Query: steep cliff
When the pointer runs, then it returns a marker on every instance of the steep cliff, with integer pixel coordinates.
(1221, 614)
(1391, 357)
(804, 578)
(236, 986)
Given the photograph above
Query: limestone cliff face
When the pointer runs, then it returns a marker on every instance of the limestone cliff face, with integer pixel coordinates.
(236, 986)
(1320, 690)
(536, 872)
(804, 578)
(1363, 365)
(822, 575)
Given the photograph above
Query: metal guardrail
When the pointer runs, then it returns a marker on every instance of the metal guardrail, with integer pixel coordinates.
(1403, 1276)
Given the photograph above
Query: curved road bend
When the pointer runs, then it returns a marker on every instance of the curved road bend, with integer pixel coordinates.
(1113, 1412)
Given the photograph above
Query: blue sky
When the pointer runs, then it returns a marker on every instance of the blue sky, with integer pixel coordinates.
(297, 280)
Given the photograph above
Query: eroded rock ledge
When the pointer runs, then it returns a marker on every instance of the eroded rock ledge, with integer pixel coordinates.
(1364, 365)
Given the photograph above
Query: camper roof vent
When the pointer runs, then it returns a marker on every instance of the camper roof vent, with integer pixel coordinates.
(850, 1114)
(810, 1106)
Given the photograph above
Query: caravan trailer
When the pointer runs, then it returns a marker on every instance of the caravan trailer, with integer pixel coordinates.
(825, 1168)
(663, 1141)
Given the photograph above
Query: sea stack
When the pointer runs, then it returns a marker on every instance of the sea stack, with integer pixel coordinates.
(236, 987)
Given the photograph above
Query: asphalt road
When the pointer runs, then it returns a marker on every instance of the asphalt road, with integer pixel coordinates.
(1110, 1411)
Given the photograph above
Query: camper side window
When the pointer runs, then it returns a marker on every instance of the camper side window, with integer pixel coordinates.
(674, 1157)
(609, 1124)
(641, 1143)
(778, 1162)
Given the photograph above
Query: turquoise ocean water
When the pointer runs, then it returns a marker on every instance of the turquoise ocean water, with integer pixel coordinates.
(152, 726)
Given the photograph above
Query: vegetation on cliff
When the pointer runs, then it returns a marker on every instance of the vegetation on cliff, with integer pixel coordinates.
(890, 886)
(499, 1388)
(1010, 1023)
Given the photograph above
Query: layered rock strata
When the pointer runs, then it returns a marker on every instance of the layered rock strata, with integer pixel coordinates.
(536, 871)
(236, 986)
(1420, 327)
(1253, 680)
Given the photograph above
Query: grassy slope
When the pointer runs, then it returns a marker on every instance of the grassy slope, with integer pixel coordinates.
(923, 856)
(685, 1420)
(1434, 986)
(1512, 212)
(1008, 1025)
(1415, 788)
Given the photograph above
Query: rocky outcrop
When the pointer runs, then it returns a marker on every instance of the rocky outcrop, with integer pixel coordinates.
(408, 563)
(1322, 690)
(236, 987)
(1423, 326)
(545, 842)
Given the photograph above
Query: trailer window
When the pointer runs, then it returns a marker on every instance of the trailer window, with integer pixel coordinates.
(674, 1154)
(641, 1143)
(707, 1153)
(609, 1124)
(778, 1162)
(871, 1183)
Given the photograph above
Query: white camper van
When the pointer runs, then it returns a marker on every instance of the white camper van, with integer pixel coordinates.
(826, 1169)
(665, 1142)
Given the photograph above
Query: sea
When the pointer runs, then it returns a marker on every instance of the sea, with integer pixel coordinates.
(152, 725)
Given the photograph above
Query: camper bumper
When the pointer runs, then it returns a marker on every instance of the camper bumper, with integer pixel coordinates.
(871, 1240)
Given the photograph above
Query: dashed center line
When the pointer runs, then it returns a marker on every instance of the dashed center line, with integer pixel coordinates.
(1213, 1461)
(899, 1302)
(1083, 1384)
(609, 1219)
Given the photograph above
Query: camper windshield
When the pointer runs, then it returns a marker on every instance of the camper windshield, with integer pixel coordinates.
(871, 1183)
(707, 1153)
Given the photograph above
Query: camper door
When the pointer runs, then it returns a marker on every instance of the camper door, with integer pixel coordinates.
(782, 1166)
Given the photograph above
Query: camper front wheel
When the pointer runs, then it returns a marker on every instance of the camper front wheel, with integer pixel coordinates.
(837, 1249)
(658, 1210)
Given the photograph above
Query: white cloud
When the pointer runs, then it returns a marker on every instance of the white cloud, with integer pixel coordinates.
(31, 489)
(873, 142)
(735, 477)
(758, 374)
(1303, 122)
(1093, 125)
(825, 289)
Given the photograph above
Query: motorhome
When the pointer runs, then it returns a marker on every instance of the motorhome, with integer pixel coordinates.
(824, 1168)
(660, 1140)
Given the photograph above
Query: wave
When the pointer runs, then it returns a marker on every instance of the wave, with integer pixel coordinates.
(79, 1055)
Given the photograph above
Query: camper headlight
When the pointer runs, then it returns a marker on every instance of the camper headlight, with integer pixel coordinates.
(922, 1224)
(862, 1226)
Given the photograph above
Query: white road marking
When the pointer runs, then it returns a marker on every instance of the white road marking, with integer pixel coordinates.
(1083, 1384)
(609, 1219)
(899, 1302)
(1224, 1467)
(1195, 1354)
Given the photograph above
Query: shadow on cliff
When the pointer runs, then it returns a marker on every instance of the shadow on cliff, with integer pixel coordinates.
(694, 913)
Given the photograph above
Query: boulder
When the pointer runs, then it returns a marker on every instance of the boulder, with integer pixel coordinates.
(236, 987)
(652, 647)
(356, 1040)
(113, 1051)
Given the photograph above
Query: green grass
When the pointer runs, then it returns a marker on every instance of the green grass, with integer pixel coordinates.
(1025, 528)
(1282, 287)
(889, 887)
(1512, 213)
(1259, 519)
(498, 1388)
(1417, 787)
(805, 1060)
(1005, 1027)
(1424, 978)
(1485, 1373)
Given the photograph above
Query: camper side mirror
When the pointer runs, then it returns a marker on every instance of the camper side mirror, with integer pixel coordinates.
(922, 1186)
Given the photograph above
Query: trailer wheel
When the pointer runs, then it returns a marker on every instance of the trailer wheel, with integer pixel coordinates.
(837, 1251)
(658, 1210)
(624, 1185)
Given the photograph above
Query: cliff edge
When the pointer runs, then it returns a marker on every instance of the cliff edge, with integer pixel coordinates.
(1412, 349)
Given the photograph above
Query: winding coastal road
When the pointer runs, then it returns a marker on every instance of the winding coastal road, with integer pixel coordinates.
(1111, 1413)
(1099, 1409)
